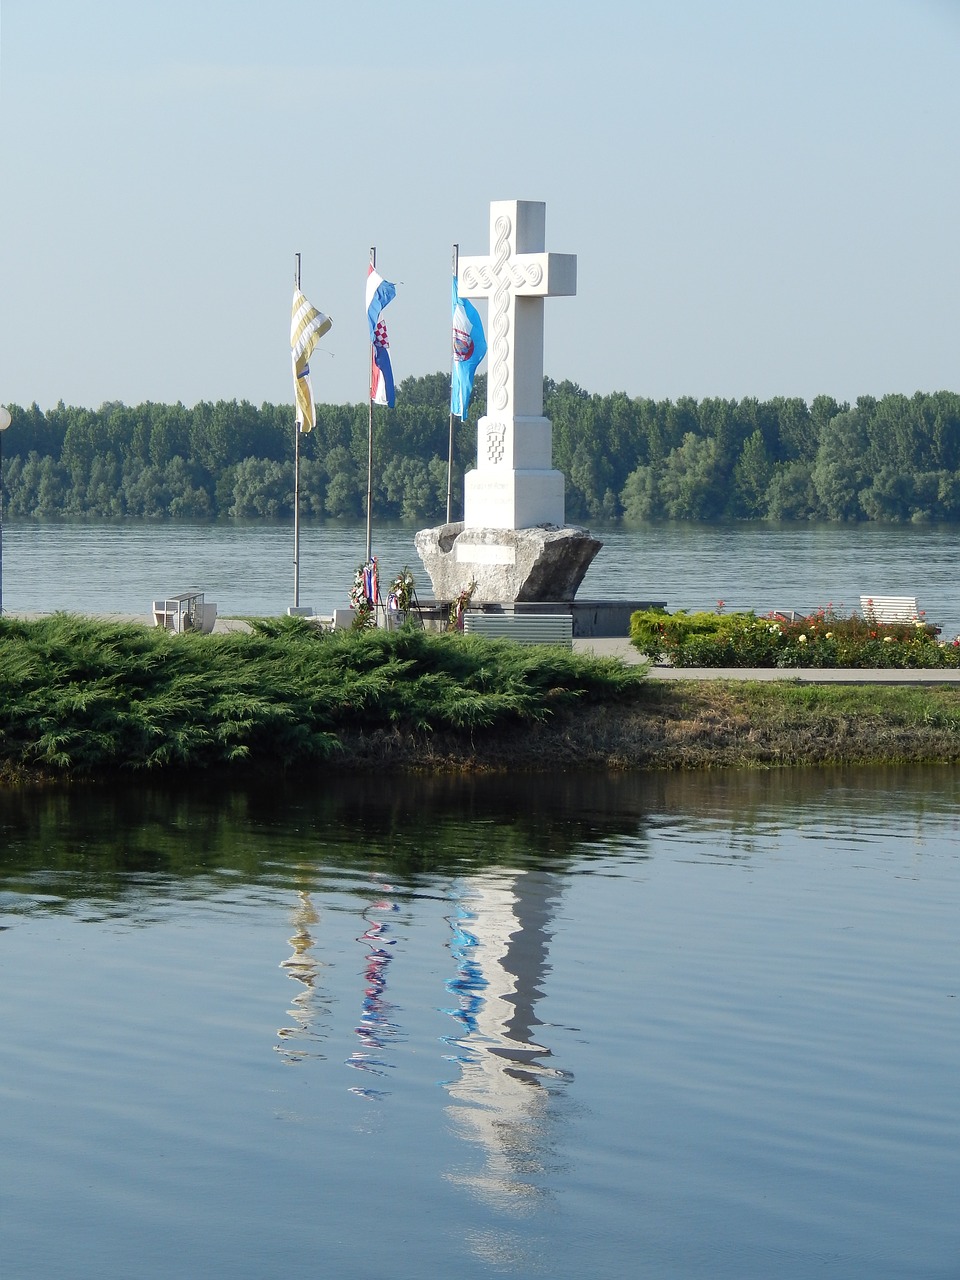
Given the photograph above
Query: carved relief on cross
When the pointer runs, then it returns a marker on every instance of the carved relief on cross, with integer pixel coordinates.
(515, 278)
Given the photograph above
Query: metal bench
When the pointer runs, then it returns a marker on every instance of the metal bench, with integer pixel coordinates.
(889, 608)
(522, 628)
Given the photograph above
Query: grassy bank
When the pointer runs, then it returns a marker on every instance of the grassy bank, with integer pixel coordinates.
(82, 699)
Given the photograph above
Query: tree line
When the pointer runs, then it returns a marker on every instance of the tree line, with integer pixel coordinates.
(896, 458)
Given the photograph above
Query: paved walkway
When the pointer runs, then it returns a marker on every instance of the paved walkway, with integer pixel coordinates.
(623, 649)
(221, 625)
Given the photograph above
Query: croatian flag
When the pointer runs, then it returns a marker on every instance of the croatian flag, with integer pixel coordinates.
(469, 348)
(371, 580)
(379, 293)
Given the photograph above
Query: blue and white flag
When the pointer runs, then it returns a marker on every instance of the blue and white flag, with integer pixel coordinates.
(469, 348)
(379, 293)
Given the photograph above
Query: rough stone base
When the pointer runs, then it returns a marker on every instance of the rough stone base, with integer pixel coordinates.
(544, 563)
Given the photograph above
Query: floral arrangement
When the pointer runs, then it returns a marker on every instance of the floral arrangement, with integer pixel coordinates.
(401, 591)
(363, 594)
(460, 605)
(821, 639)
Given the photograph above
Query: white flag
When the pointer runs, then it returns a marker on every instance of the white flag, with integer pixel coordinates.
(307, 327)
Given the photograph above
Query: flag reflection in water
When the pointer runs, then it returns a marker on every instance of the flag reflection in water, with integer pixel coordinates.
(376, 1030)
(505, 1096)
(302, 1039)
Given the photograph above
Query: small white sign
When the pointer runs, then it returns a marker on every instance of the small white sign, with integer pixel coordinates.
(483, 553)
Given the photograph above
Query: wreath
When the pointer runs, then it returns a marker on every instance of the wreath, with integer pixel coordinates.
(401, 591)
(363, 594)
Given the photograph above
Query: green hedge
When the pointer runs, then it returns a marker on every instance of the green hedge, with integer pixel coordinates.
(822, 639)
(82, 697)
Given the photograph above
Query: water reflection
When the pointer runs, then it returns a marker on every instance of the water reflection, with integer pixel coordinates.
(302, 1039)
(122, 851)
(503, 1093)
(119, 844)
(765, 1070)
(377, 1028)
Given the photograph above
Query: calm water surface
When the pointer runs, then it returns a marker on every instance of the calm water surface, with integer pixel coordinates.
(701, 1026)
(120, 567)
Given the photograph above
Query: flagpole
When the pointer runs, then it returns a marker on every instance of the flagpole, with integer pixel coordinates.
(373, 263)
(456, 268)
(296, 490)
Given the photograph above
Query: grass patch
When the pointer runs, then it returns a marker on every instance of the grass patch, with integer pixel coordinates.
(720, 723)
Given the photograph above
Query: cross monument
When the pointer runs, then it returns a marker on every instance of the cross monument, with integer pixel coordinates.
(514, 485)
(512, 544)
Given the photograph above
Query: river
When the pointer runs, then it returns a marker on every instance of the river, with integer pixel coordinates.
(247, 568)
(673, 1026)
(669, 1026)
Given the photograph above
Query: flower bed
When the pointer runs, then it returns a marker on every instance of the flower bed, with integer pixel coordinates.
(824, 639)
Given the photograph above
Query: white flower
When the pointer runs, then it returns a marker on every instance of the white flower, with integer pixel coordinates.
(801, 639)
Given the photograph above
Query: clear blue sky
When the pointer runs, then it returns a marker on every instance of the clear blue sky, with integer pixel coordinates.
(764, 195)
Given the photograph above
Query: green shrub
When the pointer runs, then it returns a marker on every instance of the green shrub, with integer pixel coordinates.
(83, 697)
(823, 639)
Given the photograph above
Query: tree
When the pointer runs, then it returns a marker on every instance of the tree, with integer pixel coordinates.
(791, 494)
(839, 472)
(262, 488)
(889, 496)
(640, 496)
(408, 488)
(692, 486)
(797, 431)
(50, 488)
(143, 492)
(751, 478)
(188, 501)
(342, 497)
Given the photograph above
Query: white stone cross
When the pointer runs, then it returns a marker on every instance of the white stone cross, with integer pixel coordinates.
(515, 277)
(513, 543)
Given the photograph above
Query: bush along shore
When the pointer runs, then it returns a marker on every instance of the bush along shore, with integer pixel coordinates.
(822, 639)
(84, 700)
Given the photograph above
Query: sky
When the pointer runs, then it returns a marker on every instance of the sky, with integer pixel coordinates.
(763, 195)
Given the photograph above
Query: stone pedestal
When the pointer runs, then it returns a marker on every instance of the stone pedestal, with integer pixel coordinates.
(543, 563)
(513, 485)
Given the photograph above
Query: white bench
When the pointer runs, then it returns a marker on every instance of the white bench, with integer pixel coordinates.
(207, 618)
(889, 608)
(165, 614)
(522, 628)
(185, 612)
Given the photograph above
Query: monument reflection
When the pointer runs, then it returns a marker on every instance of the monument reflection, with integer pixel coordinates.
(504, 1092)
